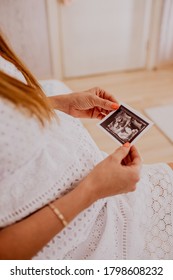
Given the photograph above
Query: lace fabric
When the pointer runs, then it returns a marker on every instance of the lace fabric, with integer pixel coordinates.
(157, 224)
(40, 165)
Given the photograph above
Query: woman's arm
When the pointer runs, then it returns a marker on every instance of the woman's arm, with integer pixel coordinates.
(24, 239)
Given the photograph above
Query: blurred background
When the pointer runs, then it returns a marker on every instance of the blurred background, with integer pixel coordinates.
(122, 46)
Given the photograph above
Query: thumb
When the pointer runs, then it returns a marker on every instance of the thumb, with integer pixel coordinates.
(105, 104)
(122, 152)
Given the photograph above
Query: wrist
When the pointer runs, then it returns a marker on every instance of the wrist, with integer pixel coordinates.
(78, 200)
(87, 190)
(60, 102)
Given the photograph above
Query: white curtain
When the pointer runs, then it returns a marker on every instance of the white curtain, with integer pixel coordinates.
(165, 55)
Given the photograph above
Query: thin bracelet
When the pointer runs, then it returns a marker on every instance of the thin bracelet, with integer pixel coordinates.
(58, 214)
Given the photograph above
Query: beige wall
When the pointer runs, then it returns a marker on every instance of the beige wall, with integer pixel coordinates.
(25, 24)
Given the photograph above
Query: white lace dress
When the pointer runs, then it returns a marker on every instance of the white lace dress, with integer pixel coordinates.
(38, 165)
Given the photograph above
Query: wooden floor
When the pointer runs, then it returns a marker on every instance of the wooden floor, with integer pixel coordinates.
(140, 89)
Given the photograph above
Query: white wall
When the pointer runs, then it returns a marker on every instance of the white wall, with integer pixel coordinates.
(101, 36)
(25, 24)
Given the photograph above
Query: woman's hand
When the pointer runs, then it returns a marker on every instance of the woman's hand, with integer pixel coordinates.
(117, 174)
(92, 103)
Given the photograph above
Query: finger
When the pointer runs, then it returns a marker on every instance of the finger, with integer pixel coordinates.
(103, 111)
(122, 152)
(101, 115)
(106, 95)
(135, 156)
(127, 160)
(105, 104)
(95, 113)
(98, 114)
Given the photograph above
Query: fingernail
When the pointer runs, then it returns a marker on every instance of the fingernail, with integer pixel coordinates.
(127, 144)
(115, 106)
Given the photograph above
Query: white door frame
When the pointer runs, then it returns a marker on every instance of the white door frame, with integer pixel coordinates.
(154, 34)
(54, 31)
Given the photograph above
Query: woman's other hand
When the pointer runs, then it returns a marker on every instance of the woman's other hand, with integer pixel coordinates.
(117, 174)
(92, 103)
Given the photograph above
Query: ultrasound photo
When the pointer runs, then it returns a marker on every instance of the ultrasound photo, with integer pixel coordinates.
(125, 124)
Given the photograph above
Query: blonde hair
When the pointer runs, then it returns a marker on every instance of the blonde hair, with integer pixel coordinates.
(29, 95)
